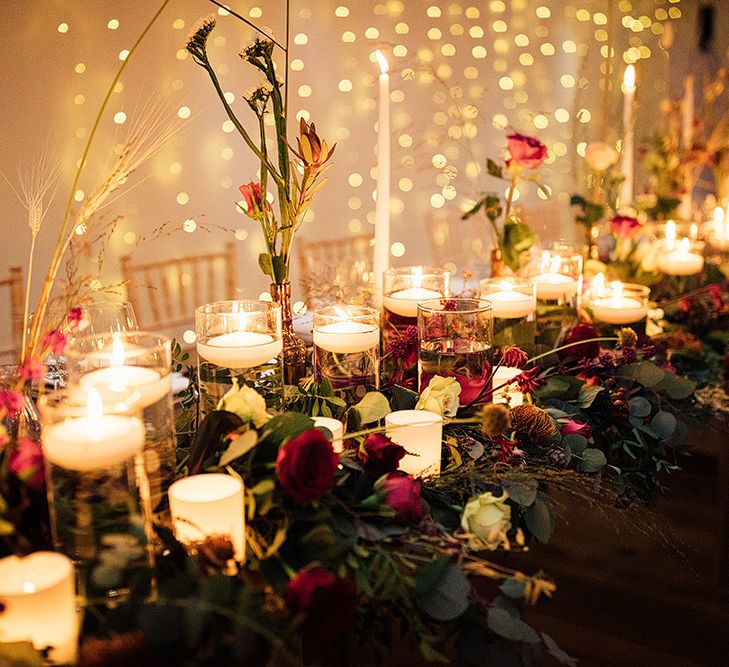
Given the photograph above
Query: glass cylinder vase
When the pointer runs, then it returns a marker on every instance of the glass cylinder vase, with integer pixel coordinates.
(141, 361)
(241, 341)
(347, 349)
(98, 494)
(514, 305)
(456, 340)
(618, 305)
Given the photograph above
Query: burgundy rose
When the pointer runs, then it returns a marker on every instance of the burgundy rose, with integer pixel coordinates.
(575, 427)
(623, 226)
(26, 463)
(76, 320)
(514, 357)
(402, 494)
(253, 197)
(55, 341)
(529, 380)
(587, 350)
(306, 466)
(12, 401)
(380, 455)
(525, 151)
(327, 602)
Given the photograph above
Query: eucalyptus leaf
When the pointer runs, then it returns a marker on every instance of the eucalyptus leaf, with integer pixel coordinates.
(240, 446)
(510, 627)
(556, 652)
(645, 372)
(540, 518)
(639, 406)
(587, 395)
(521, 488)
(576, 442)
(663, 424)
(592, 460)
(448, 598)
(513, 588)
(373, 407)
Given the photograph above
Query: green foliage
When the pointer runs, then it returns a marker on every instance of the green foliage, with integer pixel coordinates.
(517, 239)
(589, 212)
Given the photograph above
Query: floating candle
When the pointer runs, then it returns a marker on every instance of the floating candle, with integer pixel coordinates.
(405, 302)
(552, 286)
(719, 233)
(507, 303)
(346, 336)
(611, 306)
(681, 262)
(240, 349)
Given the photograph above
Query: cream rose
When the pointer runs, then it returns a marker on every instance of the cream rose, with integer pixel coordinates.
(489, 518)
(440, 396)
(600, 156)
(245, 402)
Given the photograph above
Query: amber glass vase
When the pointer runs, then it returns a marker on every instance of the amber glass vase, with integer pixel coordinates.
(294, 349)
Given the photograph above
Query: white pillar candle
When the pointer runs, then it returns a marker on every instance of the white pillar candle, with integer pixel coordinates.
(382, 205)
(507, 303)
(553, 286)
(719, 232)
(687, 113)
(628, 149)
(92, 442)
(420, 432)
(346, 337)
(240, 349)
(510, 392)
(336, 428)
(39, 603)
(681, 262)
(205, 505)
(405, 302)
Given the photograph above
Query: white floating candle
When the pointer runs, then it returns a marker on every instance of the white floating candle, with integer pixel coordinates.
(204, 505)
(337, 429)
(421, 433)
(509, 393)
(405, 302)
(92, 442)
(507, 303)
(719, 233)
(551, 286)
(240, 349)
(39, 603)
(681, 262)
(346, 336)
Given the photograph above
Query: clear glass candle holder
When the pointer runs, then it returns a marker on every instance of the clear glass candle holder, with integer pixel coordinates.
(98, 493)
(141, 361)
(681, 258)
(514, 303)
(456, 340)
(558, 284)
(618, 304)
(347, 349)
(239, 340)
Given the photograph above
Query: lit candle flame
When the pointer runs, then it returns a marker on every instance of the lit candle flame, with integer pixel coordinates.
(598, 285)
(384, 65)
(94, 405)
(505, 286)
(684, 246)
(617, 288)
(670, 233)
(343, 314)
(693, 231)
(117, 350)
(629, 79)
(720, 223)
(417, 276)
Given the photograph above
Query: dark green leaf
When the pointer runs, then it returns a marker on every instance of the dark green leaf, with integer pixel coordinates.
(448, 598)
(576, 442)
(592, 460)
(404, 399)
(588, 393)
(663, 424)
(264, 262)
(513, 588)
(540, 518)
(240, 446)
(209, 437)
(510, 627)
(556, 652)
(639, 406)
(521, 488)
(494, 169)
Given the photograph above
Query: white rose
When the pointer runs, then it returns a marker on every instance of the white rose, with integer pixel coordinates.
(600, 156)
(488, 518)
(245, 402)
(440, 396)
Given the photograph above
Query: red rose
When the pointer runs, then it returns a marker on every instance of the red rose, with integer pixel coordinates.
(327, 602)
(253, 197)
(402, 494)
(380, 455)
(26, 463)
(588, 350)
(526, 151)
(306, 466)
(572, 426)
(623, 226)
(514, 357)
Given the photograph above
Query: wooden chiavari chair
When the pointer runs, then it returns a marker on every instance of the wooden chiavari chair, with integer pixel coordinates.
(12, 303)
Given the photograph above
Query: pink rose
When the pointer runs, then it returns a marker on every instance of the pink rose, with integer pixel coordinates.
(575, 427)
(306, 466)
(623, 226)
(402, 494)
(55, 341)
(253, 197)
(31, 369)
(26, 463)
(525, 151)
(12, 401)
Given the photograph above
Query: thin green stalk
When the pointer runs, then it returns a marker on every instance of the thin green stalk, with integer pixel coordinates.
(60, 245)
(27, 294)
(510, 197)
(564, 347)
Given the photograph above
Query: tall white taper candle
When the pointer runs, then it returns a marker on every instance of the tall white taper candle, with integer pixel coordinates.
(628, 150)
(382, 209)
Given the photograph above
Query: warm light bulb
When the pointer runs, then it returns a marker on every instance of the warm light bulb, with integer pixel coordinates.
(629, 79)
(94, 406)
(384, 65)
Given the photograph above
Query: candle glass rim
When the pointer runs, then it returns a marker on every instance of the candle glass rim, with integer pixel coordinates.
(517, 284)
(193, 479)
(367, 315)
(66, 402)
(426, 271)
(63, 575)
(431, 418)
(160, 343)
(633, 291)
(427, 305)
(264, 306)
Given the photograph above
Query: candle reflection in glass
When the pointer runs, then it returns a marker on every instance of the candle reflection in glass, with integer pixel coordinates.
(618, 304)
(514, 305)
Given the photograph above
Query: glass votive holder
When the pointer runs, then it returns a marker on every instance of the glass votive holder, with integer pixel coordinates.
(239, 340)
(671, 232)
(404, 288)
(514, 303)
(38, 594)
(682, 258)
(558, 289)
(140, 361)
(618, 304)
(420, 432)
(716, 232)
(455, 339)
(207, 505)
(98, 493)
(347, 349)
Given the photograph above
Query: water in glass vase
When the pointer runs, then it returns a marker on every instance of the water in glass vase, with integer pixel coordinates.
(100, 518)
(352, 374)
(215, 381)
(467, 360)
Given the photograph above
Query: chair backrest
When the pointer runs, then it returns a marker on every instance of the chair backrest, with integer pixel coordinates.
(335, 269)
(11, 303)
(166, 292)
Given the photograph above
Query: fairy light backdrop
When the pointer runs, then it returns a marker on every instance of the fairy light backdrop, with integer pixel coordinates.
(461, 72)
